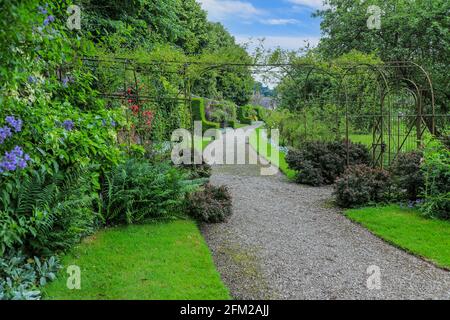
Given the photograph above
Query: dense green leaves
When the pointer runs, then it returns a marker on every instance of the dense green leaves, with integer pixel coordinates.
(410, 30)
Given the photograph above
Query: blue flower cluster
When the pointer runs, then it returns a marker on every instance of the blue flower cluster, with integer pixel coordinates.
(16, 124)
(66, 80)
(68, 125)
(43, 10)
(13, 160)
(49, 20)
(6, 132)
(112, 123)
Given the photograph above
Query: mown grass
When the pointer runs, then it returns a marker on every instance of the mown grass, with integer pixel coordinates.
(154, 261)
(280, 162)
(407, 229)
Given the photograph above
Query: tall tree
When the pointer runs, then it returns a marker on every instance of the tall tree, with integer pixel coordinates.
(410, 30)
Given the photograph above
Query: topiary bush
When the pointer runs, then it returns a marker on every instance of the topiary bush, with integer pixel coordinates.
(260, 112)
(246, 114)
(210, 204)
(198, 114)
(320, 163)
(361, 185)
(407, 176)
(435, 168)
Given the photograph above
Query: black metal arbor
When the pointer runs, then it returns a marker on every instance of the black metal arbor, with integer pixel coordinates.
(390, 106)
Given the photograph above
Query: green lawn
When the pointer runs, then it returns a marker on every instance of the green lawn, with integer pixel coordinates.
(154, 261)
(407, 229)
(366, 139)
(283, 166)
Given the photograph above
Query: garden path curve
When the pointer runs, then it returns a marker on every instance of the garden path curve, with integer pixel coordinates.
(285, 241)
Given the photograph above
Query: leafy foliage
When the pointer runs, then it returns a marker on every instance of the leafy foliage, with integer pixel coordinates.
(20, 278)
(435, 169)
(403, 22)
(361, 185)
(138, 191)
(45, 214)
(210, 204)
(407, 175)
(321, 163)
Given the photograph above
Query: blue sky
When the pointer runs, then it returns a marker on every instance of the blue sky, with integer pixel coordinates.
(284, 23)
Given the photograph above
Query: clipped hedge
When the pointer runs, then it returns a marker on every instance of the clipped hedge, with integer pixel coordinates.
(242, 115)
(261, 112)
(247, 114)
(198, 114)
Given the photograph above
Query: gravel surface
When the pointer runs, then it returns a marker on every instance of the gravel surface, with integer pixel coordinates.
(285, 241)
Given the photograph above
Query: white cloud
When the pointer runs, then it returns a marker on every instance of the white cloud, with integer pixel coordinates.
(280, 22)
(316, 4)
(220, 10)
(271, 42)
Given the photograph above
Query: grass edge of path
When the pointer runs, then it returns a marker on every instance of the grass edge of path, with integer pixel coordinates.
(410, 229)
(156, 261)
(281, 163)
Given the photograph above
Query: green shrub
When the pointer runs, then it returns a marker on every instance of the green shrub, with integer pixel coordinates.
(20, 277)
(407, 177)
(137, 191)
(361, 185)
(44, 214)
(261, 113)
(320, 163)
(436, 171)
(210, 204)
(198, 114)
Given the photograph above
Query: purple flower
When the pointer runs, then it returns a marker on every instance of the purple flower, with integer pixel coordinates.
(5, 133)
(66, 80)
(14, 123)
(13, 160)
(48, 20)
(42, 10)
(68, 125)
(113, 123)
(31, 79)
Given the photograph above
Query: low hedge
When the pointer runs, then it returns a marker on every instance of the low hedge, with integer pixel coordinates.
(242, 115)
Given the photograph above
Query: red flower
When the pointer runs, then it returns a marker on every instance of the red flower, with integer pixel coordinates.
(135, 109)
(148, 114)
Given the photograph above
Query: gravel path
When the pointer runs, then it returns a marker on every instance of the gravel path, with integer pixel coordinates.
(285, 241)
